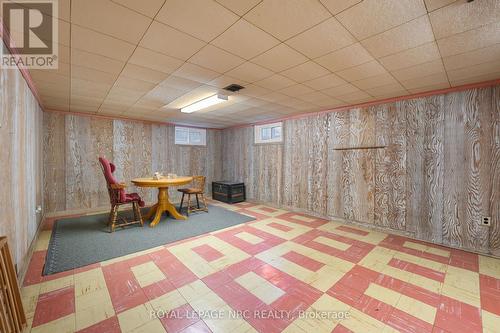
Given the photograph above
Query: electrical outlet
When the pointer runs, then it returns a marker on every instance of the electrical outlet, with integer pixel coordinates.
(486, 220)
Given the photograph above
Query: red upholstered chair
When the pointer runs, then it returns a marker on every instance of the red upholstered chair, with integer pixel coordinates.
(118, 197)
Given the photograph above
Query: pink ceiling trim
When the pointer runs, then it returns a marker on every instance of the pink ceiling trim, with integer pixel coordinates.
(377, 102)
(4, 34)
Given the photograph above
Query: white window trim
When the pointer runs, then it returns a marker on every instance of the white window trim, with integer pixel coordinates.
(258, 129)
(201, 131)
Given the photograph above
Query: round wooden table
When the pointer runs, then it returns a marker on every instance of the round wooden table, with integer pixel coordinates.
(163, 204)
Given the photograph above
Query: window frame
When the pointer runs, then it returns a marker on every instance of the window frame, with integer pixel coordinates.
(201, 131)
(258, 129)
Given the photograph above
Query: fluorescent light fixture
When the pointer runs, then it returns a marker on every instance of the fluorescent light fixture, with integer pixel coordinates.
(204, 103)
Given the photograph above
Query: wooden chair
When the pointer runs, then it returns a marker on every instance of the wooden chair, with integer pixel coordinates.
(118, 197)
(198, 189)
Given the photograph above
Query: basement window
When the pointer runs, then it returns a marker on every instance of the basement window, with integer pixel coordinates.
(190, 136)
(269, 133)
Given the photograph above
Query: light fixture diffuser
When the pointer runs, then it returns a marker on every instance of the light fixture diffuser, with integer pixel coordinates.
(204, 103)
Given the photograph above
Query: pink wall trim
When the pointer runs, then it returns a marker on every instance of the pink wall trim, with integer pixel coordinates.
(377, 102)
(4, 34)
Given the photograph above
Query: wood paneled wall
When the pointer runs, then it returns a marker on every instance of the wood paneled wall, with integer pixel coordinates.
(436, 173)
(20, 163)
(72, 144)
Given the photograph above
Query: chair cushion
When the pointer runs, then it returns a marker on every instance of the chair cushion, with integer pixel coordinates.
(131, 197)
(191, 190)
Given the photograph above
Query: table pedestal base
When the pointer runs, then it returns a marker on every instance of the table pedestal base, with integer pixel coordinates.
(162, 206)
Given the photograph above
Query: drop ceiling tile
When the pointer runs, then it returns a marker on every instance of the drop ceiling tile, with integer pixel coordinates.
(296, 90)
(486, 71)
(64, 53)
(253, 90)
(124, 95)
(274, 97)
(337, 6)
(327, 104)
(109, 18)
(437, 86)
(305, 72)
(154, 60)
(411, 57)
(180, 83)
(425, 69)
(363, 71)
(321, 39)
(470, 40)
(235, 40)
(425, 81)
(462, 16)
(95, 61)
(163, 94)
(375, 81)
(327, 81)
(95, 42)
(284, 19)
(371, 17)
(435, 4)
(124, 82)
(340, 90)
(62, 70)
(204, 19)
(92, 75)
(143, 73)
(472, 58)
(145, 7)
(216, 59)
(313, 96)
(275, 82)
(403, 37)
(345, 58)
(166, 40)
(357, 97)
(90, 89)
(250, 72)
(224, 80)
(279, 58)
(240, 7)
(387, 91)
(196, 73)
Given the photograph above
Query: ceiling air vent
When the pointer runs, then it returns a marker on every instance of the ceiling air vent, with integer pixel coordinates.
(234, 87)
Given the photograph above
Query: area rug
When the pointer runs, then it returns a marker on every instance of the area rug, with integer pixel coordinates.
(84, 240)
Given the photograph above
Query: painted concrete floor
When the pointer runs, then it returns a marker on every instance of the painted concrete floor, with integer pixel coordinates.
(283, 272)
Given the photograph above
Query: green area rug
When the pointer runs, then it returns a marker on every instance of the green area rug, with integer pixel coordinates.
(84, 240)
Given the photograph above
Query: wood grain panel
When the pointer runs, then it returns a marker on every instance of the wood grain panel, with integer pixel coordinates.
(267, 181)
(435, 176)
(295, 163)
(358, 185)
(335, 203)
(132, 153)
(494, 237)
(390, 166)
(54, 162)
(425, 167)
(86, 140)
(467, 165)
(20, 163)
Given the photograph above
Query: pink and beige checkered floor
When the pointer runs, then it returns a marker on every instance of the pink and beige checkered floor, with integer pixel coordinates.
(283, 272)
